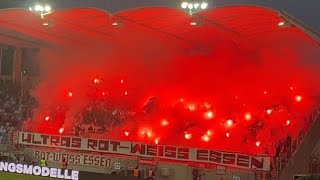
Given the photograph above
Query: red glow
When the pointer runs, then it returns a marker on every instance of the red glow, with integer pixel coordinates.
(47, 118)
(149, 134)
(212, 84)
(247, 116)
(96, 81)
(187, 136)
(70, 94)
(227, 135)
(298, 98)
(126, 133)
(208, 106)
(142, 132)
(205, 138)
(192, 107)
(156, 141)
(209, 114)
(164, 122)
(61, 130)
(288, 122)
(229, 122)
(258, 143)
(209, 132)
(269, 111)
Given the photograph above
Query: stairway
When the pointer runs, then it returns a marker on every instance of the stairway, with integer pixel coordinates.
(299, 162)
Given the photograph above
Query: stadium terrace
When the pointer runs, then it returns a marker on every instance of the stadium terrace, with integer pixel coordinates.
(233, 86)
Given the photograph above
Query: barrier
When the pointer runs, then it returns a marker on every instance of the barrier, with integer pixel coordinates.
(161, 152)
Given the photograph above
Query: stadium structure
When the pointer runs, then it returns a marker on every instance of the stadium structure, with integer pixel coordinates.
(212, 99)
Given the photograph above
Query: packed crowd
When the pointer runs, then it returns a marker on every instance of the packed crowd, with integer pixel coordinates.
(15, 107)
(314, 167)
(286, 148)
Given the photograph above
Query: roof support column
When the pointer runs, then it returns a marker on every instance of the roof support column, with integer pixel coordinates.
(17, 67)
(1, 55)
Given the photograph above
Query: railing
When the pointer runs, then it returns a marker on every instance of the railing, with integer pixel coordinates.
(306, 140)
(4, 147)
(14, 153)
(312, 118)
(311, 32)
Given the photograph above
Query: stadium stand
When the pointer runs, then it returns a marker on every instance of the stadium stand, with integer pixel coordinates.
(17, 106)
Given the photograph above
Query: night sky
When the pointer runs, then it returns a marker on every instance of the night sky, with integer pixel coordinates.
(308, 11)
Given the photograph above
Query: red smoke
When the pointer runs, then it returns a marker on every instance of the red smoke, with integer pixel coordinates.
(208, 99)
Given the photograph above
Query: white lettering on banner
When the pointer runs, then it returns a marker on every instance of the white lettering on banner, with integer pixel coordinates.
(73, 158)
(221, 170)
(237, 160)
(39, 171)
(117, 166)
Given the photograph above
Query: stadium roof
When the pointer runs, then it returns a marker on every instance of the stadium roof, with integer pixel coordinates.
(82, 26)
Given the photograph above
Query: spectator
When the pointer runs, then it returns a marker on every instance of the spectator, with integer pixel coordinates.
(314, 169)
(43, 162)
(151, 174)
(64, 164)
(136, 172)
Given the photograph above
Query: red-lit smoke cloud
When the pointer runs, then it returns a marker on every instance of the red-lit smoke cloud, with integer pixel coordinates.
(227, 80)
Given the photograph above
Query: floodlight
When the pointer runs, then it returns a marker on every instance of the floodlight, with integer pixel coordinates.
(204, 5)
(184, 5)
(38, 7)
(47, 8)
(196, 5)
(193, 6)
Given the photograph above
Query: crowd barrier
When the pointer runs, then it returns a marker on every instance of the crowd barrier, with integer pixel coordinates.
(172, 168)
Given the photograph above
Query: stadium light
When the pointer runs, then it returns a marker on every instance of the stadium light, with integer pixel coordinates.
(41, 9)
(204, 5)
(193, 7)
(184, 5)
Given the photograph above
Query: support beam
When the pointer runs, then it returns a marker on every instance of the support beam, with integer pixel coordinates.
(1, 55)
(299, 162)
(17, 67)
(308, 30)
